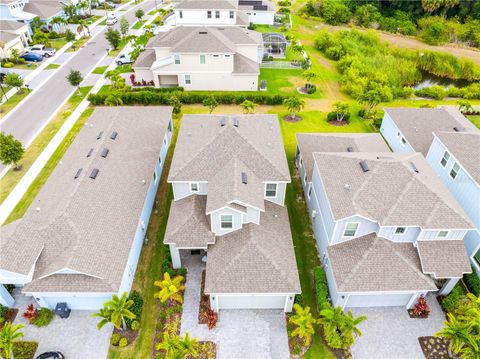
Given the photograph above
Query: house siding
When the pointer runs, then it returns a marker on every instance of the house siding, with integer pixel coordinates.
(280, 197)
(389, 131)
(215, 221)
(322, 205)
(365, 227)
(433, 234)
(410, 235)
(199, 17)
(182, 189)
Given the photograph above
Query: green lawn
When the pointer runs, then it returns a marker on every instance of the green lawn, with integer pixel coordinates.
(266, 28)
(103, 23)
(92, 19)
(99, 70)
(124, 68)
(57, 44)
(6, 107)
(52, 67)
(114, 53)
(11, 178)
(475, 120)
(78, 44)
(27, 66)
(285, 82)
(138, 24)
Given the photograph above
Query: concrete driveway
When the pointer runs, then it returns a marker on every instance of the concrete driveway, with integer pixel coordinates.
(76, 337)
(390, 333)
(239, 334)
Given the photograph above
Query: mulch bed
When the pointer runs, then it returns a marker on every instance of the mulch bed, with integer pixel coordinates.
(10, 315)
(130, 334)
(338, 123)
(412, 315)
(290, 118)
(204, 303)
(206, 350)
(24, 349)
(434, 348)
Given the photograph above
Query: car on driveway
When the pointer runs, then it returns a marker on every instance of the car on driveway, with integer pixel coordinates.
(42, 50)
(111, 20)
(31, 56)
(51, 355)
(123, 59)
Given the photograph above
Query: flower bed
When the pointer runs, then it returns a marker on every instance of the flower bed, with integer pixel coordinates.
(24, 350)
(434, 348)
(204, 303)
(7, 315)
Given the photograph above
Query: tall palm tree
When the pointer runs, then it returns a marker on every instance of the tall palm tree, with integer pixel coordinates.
(82, 26)
(70, 10)
(457, 331)
(170, 288)
(294, 105)
(304, 322)
(350, 327)
(115, 311)
(9, 334)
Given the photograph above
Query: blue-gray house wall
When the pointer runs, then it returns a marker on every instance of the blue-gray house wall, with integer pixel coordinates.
(394, 136)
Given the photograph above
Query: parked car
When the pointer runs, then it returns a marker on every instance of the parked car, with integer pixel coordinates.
(123, 59)
(42, 50)
(31, 56)
(51, 355)
(111, 20)
(111, 4)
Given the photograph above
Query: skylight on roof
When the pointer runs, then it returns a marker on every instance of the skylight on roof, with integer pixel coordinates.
(364, 166)
(244, 178)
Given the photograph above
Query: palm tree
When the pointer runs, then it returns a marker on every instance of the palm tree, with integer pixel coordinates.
(177, 347)
(457, 331)
(84, 5)
(115, 311)
(309, 76)
(82, 26)
(113, 100)
(350, 327)
(8, 336)
(303, 321)
(248, 106)
(189, 346)
(58, 24)
(464, 106)
(70, 10)
(170, 288)
(294, 105)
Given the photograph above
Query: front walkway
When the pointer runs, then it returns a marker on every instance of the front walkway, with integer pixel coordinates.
(240, 334)
(76, 337)
(390, 333)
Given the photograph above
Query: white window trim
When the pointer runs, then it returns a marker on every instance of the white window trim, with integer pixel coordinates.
(399, 234)
(175, 57)
(190, 187)
(446, 236)
(276, 190)
(220, 220)
(443, 157)
(204, 59)
(185, 80)
(345, 228)
(457, 172)
(403, 141)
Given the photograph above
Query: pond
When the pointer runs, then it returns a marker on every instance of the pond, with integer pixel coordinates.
(432, 80)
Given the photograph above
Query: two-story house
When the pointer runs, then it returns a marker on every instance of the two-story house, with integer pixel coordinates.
(14, 35)
(203, 58)
(229, 175)
(80, 240)
(386, 228)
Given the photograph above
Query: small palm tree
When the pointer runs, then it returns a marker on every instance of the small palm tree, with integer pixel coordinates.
(70, 10)
(248, 106)
(115, 311)
(82, 26)
(464, 106)
(309, 76)
(294, 105)
(304, 322)
(170, 288)
(9, 334)
(177, 347)
(189, 346)
(350, 327)
(113, 100)
(457, 331)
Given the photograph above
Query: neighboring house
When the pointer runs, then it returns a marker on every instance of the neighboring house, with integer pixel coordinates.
(14, 10)
(229, 176)
(455, 157)
(224, 12)
(80, 240)
(13, 35)
(386, 227)
(203, 58)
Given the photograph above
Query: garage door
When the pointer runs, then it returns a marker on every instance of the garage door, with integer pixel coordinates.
(252, 302)
(78, 303)
(382, 300)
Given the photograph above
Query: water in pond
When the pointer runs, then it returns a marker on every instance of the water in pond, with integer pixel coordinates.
(432, 80)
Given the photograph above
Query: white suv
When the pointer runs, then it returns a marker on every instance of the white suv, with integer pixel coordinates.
(111, 20)
(42, 50)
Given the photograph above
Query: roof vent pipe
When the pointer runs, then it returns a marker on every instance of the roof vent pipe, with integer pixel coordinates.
(244, 178)
(364, 166)
(350, 149)
(347, 186)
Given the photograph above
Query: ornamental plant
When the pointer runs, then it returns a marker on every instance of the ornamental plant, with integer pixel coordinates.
(170, 289)
(211, 319)
(30, 314)
(421, 308)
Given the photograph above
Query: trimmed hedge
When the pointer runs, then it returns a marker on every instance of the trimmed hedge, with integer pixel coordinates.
(321, 287)
(136, 308)
(450, 302)
(148, 97)
(158, 89)
(473, 282)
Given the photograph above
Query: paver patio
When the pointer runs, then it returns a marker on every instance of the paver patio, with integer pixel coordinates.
(239, 334)
(389, 332)
(76, 337)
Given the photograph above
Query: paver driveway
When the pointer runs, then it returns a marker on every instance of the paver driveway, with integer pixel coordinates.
(239, 334)
(389, 332)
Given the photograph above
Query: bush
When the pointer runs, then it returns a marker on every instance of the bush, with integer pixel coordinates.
(298, 300)
(135, 325)
(53, 35)
(24, 349)
(435, 92)
(332, 116)
(321, 287)
(450, 302)
(8, 65)
(136, 308)
(115, 339)
(44, 317)
(182, 271)
(473, 282)
(361, 113)
(123, 343)
(334, 12)
(311, 89)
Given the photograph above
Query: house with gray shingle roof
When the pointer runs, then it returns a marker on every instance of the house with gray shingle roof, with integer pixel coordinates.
(203, 58)
(229, 175)
(386, 227)
(80, 240)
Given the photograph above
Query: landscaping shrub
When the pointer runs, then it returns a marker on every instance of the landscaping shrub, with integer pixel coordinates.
(473, 282)
(450, 302)
(123, 343)
(24, 350)
(44, 317)
(311, 89)
(53, 35)
(182, 271)
(159, 89)
(8, 65)
(361, 113)
(332, 116)
(115, 339)
(135, 325)
(30, 314)
(298, 300)
(321, 287)
(470, 92)
(136, 308)
(9, 288)
(435, 92)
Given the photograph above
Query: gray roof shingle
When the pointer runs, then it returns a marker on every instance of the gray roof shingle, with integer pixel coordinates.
(444, 258)
(243, 65)
(44, 9)
(145, 59)
(206, 5)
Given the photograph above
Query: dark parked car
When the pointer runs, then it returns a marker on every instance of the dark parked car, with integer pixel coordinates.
(30, 56)
(51, 355)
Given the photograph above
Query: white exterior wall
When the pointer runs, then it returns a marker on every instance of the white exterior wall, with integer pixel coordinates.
(219, 82)
(365, 227)
(190, 63)
(390, 131)
(215, 221)
(143, 74)
(252, 216)
(199, 17)
(410, 235)
(280, 197)
(433, 234)
(472, 244)
(250, 51)
(252, 301)
(75, 301)
(261, 17)
(182, 189)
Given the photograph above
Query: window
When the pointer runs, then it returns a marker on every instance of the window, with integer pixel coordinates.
(209, 14)
(202, 59)
(180, 14)
(226, 221)
(232, 15)
(398, 134)
(271, 190)
(227, 55)
(310, 191)
(155, 177)
(350, 229)
(177, 59)
(217, 14)
(445, 159)
(159, 160)
(404, 141)
(454, 170)
(442, 234)
(188, 80)
(194, 187)
(400, 230)
(216, 55)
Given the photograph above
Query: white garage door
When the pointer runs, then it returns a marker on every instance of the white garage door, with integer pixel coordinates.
(78, 303)
(383, 300)
(251, 302)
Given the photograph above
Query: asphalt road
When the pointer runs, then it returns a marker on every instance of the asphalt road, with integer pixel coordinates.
(26, 120)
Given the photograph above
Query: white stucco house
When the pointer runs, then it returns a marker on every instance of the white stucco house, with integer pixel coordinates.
(14, 35)
(451, 144)
(203, 58)
(229, 176)
(386, 227)
(80, 240)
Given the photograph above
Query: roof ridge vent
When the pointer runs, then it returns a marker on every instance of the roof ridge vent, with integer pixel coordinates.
(114, 135)
(414, 167)
(99, 136)
(244, 178)
(94, 173)
(364, 166)
(350, 149)
(104, 152)
(78, 173)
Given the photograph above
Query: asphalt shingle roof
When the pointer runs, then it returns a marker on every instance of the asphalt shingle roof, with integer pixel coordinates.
(206, 5)
(145, 59)
(44, 9)
(444, 258)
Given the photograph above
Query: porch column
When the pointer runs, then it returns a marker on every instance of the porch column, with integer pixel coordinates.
(6, 298)
(448, 286)
(413, 300)
(175, 252)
